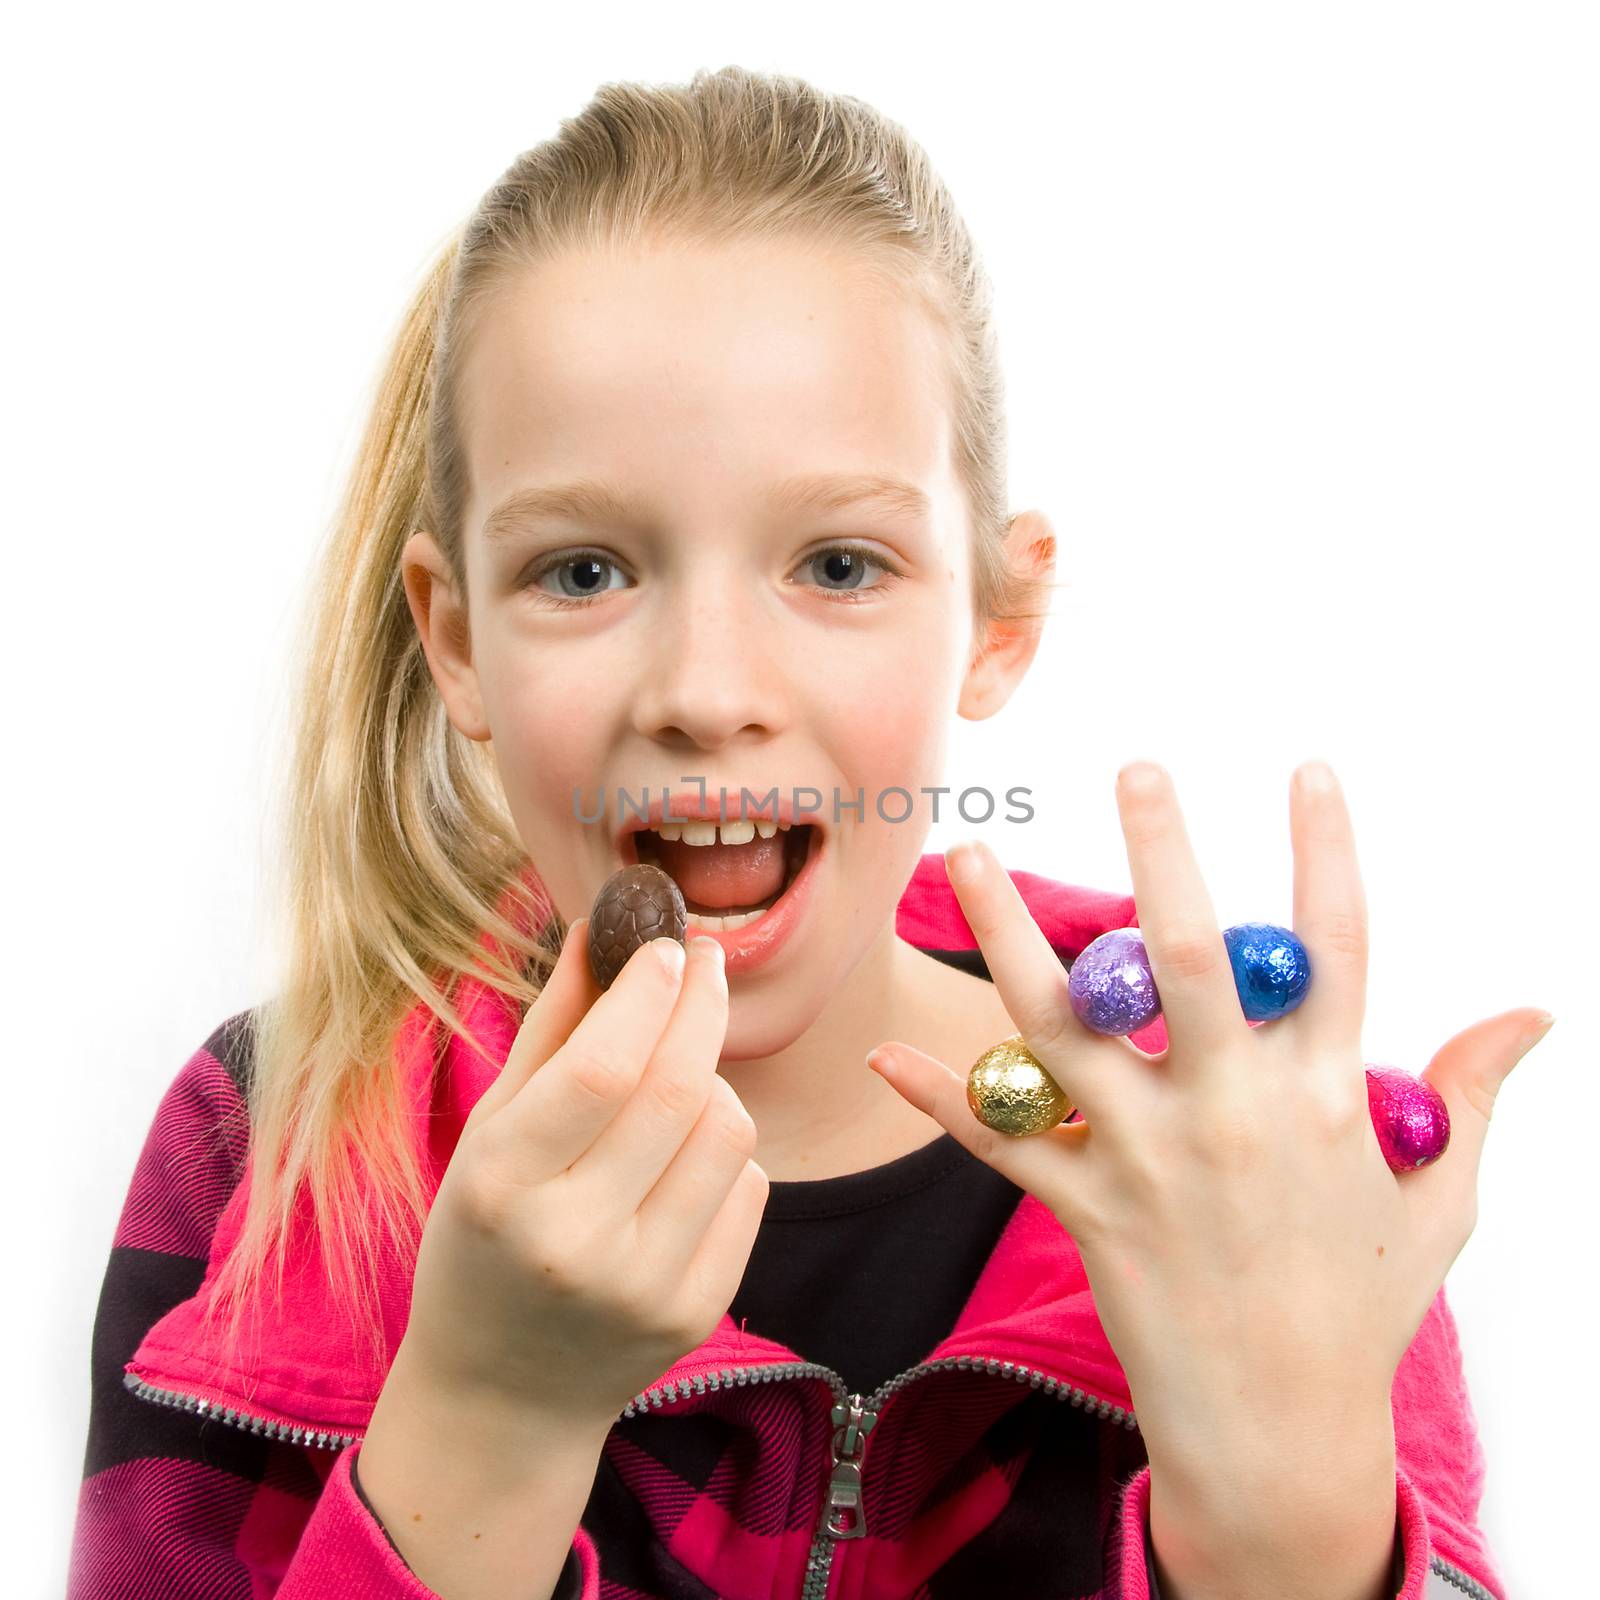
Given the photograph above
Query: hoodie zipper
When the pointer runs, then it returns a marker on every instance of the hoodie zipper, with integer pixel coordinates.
(854, 1416)
(265, 1427)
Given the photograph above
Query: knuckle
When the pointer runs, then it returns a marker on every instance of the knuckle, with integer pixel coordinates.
(476, 1117)
(696, 1319)
(650, 1311)
(597, 1076)
(985, 1143)
(1142, 824)
(1191, 955)
(1345, 934)
(548, 1255)
(559, 1268)
(1044, 1023)
(738, 1132)
(483, 1199)
(674, 1097)
(733, 1124)
(1337, 1112)
(1092, 1215)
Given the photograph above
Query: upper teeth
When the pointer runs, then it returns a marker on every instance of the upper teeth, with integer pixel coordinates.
(729, 832)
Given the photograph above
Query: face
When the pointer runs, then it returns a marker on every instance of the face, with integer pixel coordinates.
(708, 626)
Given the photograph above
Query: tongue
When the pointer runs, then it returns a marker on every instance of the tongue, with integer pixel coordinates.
(722, 876)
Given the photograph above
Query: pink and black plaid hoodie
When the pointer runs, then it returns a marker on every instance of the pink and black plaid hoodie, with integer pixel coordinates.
(204, 1481)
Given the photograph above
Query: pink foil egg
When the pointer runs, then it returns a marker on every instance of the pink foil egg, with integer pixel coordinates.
(1409, 1116)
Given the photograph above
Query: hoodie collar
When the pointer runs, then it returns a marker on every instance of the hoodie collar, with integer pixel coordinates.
(299, 1365)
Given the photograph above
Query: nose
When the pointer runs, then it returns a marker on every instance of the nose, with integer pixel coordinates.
(715, 667)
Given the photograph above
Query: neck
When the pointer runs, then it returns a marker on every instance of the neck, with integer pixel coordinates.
(819, 1110)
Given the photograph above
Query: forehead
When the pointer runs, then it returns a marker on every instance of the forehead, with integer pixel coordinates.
(754, 360)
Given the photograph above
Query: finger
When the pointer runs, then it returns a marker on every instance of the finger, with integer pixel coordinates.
(1189, 961)
(1330, 908)
(1035, 1162)
(633, 1154)
(568, 992)
(674, 1215)
(722, 1254)
(1028, 974)
(573, 1097)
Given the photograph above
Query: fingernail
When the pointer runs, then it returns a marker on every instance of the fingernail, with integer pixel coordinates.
(961, 863)
(880, 1063)
(712, 948)
(671, 952)
(1540, 1028)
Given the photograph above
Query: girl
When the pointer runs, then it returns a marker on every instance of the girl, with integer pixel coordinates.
(446, 1274)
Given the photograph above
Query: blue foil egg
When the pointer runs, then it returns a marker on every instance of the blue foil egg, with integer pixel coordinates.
(1271, 969)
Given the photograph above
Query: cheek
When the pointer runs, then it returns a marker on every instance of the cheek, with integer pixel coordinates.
(896, 747)
(546, 746)
(537, 705)
(907, 710)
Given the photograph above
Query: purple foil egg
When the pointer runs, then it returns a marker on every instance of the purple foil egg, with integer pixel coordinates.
(1110, 986)
(1409, 1116)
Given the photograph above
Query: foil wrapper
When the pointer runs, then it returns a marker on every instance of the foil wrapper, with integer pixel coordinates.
(1110, 986)
(1009, 1090)
(1409, 1116)
(1271, 968)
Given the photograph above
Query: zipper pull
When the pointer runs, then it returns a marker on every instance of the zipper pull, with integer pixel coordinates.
(852, 1422)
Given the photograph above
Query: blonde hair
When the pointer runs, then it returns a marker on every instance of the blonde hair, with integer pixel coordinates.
(398, 850)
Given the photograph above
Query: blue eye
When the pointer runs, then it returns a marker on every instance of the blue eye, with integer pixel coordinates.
(847, 565)
(582, 574)
(589, 567)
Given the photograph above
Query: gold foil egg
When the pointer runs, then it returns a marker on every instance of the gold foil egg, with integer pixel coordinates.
(1010, 1091)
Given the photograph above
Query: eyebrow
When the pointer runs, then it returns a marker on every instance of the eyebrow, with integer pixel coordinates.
(817, 491)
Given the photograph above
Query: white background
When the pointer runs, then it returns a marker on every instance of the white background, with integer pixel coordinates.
(1298, 312)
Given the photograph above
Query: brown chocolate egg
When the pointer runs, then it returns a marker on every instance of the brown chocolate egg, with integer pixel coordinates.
(635, 904)
(1009, 1090)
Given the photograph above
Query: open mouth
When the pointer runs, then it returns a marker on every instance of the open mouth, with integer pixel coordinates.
(727, 885)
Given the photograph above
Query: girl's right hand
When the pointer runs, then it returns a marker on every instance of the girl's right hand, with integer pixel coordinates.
(597, 1215)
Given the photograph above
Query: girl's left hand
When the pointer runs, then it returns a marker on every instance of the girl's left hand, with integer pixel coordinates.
(1250, 1253)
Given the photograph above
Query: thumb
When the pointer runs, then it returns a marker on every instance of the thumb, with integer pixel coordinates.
(1469, 1068)
(1467, 1072)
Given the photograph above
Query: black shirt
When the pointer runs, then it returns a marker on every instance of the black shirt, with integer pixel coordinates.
(867, 1272)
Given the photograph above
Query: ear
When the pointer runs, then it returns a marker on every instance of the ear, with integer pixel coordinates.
(442, 625)
(1003, 651)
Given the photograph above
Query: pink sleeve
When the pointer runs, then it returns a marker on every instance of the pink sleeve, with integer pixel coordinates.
(1135, 1577)
(345, 1554)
